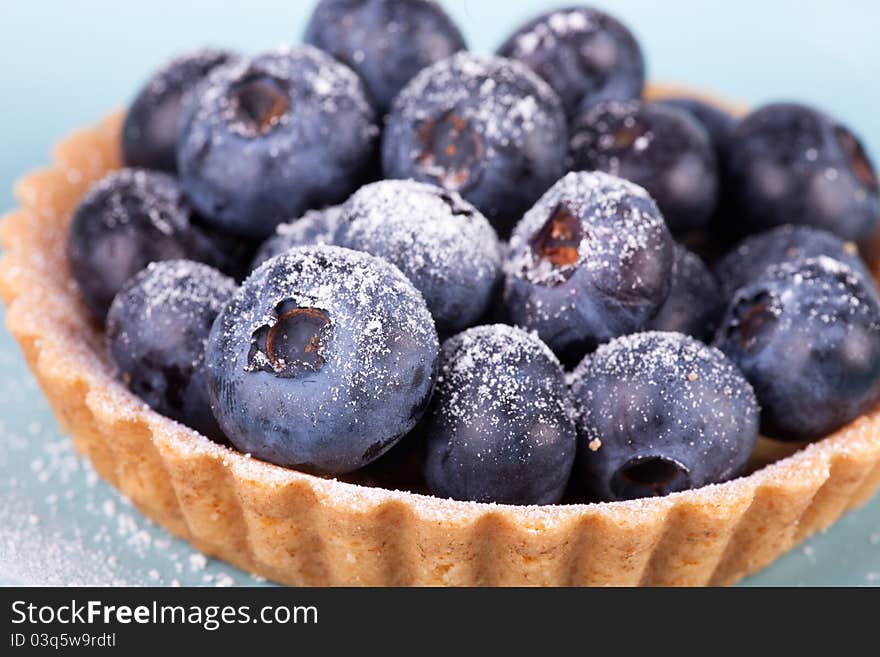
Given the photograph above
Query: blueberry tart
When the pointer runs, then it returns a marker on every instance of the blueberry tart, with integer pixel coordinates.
(324, 373)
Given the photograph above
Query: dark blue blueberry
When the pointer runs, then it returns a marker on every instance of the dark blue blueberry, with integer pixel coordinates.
(400, 468)
(500, 426)
(695, 303)
(591, 261)
(807, 337)
(157, 328)
(265, 139)
(583, 53)
(231, 254)
(661, 148)
(127, 220)
(152, 123)
(438, 240)
(718, 123)
(323, 360)
(314, 227)
(659, 413)
(385, 41)
(789, 163)
(752, 257)
(483, 126)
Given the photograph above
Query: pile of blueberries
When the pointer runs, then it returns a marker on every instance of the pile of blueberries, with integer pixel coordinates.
(627, 292)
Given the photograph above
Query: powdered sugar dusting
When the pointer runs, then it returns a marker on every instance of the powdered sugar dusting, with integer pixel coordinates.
(442, 243)
(331, 84)
(616, 229)
(593, 137)
(314, 227)
(787, 243)
(270, 137)
(838, 294)
(560, 24)
(312, 277)
(181, 72)
(186, 287)
(500, 98)
(157, 196)
(109, 543)
(688, 377)
(507, 352)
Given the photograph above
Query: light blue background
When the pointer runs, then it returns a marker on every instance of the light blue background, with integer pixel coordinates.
(65, 64)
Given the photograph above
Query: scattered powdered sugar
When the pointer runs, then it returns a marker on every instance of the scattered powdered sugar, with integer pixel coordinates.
(490, 375)
(180, 73)
(837, 295)
(433, 230)
(197, 562)
(157, 331)
(784, 244)
(594, 137)
(687, 378)
(546, 32)
(154, 115)
(660, 356)
(619, 220)
(138, 194)
(314, 227)
(502, 99)
(314, 82)
(332, 84)
(61, 526)
(344, 283)
(188, 289)
(443, 244)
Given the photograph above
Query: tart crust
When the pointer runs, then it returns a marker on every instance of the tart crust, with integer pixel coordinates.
(299, 529)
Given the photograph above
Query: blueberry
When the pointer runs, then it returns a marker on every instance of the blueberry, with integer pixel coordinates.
(483, 126)
(267, 138)
(752, 257)
(583, 53)
(157, 328)
(718, 123)
(659, 413)
(400, 468)
(314, 227)
(661, 148)
(590, 261)
(695, 303)
(807, 336)
(792, 164)
(500, 427)
(127, 220)
(152, 123)
(438, 240)
(323, 360)
(231, 254)
(385, 41)
(716, 238)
